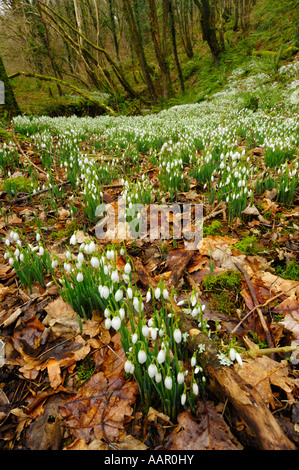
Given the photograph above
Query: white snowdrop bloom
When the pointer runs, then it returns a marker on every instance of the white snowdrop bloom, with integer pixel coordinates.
(116, 322)
(95, 263)
(108, 323)
(136, 304)
(68, 254)
(21, 257)
(54, 263)
(141, 356)
(122, 252)
(127, 268)
(145, 331)
(106, 270)
(106, 313)
(180, 377)
(154, 332)
(79, 277)
(183, 399)
(148, 296)
(73, 240)
(16, 236)
(122, 313)
(80, 257)
(37, 237)
(161, 356)
(195, 388)
(41, 250)
(158, 293)
(193, 361)
(165, 294)
(118, 295)
(67, 267)
(92, 247)
(134, 338)
(129, 292)
(152, 370)
(129, 367)
(114, 276)
(177, 335)
(232, 354)
(11, 261)
(105, 292)
(239, 359)
(168, 382)
(7, 242)
(158, 377)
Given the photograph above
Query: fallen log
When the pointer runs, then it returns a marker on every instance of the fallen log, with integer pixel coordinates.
(226, 383)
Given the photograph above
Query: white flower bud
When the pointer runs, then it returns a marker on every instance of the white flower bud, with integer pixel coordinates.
(177, 335)
(152, 370)
(79, 277)
(141, 356)
(168, 382)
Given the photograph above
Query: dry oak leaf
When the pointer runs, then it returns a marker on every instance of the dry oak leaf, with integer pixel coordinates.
(262, 372)
(209, 432)
(101, 408)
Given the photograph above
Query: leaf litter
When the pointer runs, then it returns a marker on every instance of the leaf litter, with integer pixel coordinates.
(42, 404)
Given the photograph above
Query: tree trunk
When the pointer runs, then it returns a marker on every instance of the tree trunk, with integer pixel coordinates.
(160, 54)
(174, 45)
(208, 28)
(10, 108)
(138, 48)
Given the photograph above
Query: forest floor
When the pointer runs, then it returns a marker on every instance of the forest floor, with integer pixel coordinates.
(63, 383)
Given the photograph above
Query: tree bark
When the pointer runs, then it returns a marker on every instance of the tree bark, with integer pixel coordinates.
(160, 53)
(208, 28)
(138, 48)
(10, 108)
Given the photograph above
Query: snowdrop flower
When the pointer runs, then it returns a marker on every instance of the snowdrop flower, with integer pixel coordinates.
(114, 276)
(239, 359)
(180, 377)
(129, 367)
(105, 292)
(54, 263)
(148, 296)
(154, 332)
(22, 257)
(108, 323)
(11, 261)
(67, 267)
(106, 313)
(141, 356)
(16, 236)
(168, 382)
(92, 247)
(129, 292)
(158, 377)
(122, 313)
(116, 322)
(80, 257)
(158, 293)
(118, 295)
(79, 277)
(195, 388)
(95, 263)
(161, 356)
(68, 254)
(165, 294)
(193, 361)
(73, 240)
(145, 331)
(232, 354)
(127, 268)
(37, 237)
(177, 335)
(183, 399)
(134, 338)
(152, 370)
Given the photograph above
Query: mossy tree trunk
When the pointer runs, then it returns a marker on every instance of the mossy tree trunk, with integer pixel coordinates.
(10, 107)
